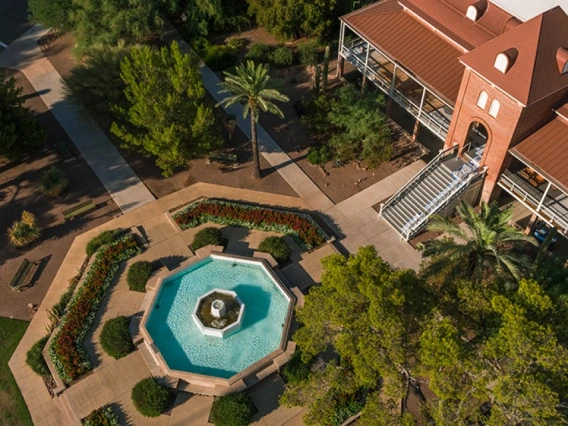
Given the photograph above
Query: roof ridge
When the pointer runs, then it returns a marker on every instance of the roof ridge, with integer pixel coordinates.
(535, 62)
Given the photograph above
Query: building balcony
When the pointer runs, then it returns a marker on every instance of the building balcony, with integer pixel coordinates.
(538, 195)
(399, 85)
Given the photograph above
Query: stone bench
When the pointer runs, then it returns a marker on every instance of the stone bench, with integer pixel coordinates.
(21, 275)
(79, 209)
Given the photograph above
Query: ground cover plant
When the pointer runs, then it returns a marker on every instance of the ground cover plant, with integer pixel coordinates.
(105, 237)
(13, 409)
(277, 247)
(34, 357)
(150, 398)
(138, 275)
(53, 182)
(296, 370)
(104, 416)
(66, 349)
(25, 231)
(304, 230)
(235, 409)
(208, 236)
(115, 337)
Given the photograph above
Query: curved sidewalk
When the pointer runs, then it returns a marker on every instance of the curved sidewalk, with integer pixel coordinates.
(123, 185)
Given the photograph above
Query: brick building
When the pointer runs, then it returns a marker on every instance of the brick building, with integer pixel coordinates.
(492, 88)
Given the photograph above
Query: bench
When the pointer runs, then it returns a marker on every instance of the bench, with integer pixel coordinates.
(22, 274)
(78, 209)
(222, 157)
(64, 150)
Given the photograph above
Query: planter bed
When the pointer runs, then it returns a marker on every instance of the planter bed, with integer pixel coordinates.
(66, 347)
(306, 232)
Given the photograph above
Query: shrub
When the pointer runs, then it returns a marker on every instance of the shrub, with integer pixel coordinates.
(304, 230)
(277, 247)
(24, 231)
(282, 57)
(115, 338)
(309, 53)
(318, 155)
(55, 314)
(235, 409)
(34, 357)
(259, 52)
(66, 349)
(100, 240)
(53, 182)
(237, 43)
(296, 371)
(138, 276)
(103, 416)
(219, 58)
(208, 236)
(150, 398)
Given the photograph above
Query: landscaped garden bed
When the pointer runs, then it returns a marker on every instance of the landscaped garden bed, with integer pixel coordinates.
(300, 227)
(104, 416)
(66, 350)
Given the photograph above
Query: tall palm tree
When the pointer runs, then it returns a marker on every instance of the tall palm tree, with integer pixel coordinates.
(487, 244)
(252, 86)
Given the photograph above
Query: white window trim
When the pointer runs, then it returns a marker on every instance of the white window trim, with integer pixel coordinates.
(482, 100)
(494, 108)
(502, 62)
(472, 13)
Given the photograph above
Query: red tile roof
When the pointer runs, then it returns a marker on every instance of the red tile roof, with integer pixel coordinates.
(546, 151)
(448, 17)
(534, 73)
(431, 58)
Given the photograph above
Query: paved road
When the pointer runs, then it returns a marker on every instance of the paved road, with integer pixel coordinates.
(13, 20)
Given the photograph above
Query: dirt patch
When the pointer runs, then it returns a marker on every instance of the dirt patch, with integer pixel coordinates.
(19, 190)
(198, 170)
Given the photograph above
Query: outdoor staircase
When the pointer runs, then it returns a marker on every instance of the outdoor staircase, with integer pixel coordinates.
(432, 189)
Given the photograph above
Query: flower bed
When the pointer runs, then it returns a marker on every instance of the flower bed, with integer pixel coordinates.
(103, 416)
(304, 230)
(66, 348)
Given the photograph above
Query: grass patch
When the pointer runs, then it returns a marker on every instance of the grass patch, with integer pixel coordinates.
(13, 409)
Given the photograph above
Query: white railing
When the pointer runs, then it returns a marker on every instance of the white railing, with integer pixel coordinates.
(425, 170)
(353, 50)
(528, 200)
(445, 196)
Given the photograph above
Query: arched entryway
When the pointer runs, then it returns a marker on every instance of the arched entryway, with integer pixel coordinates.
(475, 141)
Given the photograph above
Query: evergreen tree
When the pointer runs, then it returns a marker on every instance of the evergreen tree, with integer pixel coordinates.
(167, 116)
(19, 129)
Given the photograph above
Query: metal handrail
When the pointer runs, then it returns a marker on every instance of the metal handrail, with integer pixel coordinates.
(435, 161)
(515, 187)
(440, 200)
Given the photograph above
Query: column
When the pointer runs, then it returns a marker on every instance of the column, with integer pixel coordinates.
(340, 59)
(416, 131)
(530, 225)
(364, 84)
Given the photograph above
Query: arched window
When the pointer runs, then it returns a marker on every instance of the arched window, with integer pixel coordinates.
(472, 13)
(494, 108)
(502, 62)
(482, 100)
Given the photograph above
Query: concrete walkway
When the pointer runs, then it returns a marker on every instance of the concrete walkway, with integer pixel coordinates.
(115, 174)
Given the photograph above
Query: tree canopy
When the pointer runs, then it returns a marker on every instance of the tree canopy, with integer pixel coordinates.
(167, 116)
(19, 129)
(490, 354)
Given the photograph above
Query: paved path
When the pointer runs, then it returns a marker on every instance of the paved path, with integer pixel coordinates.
(115, 174)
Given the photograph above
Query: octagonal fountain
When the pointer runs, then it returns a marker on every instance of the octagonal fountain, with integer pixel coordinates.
(197, 322)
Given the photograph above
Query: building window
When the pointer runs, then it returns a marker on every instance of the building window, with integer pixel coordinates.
(482, 100)
(494, 108)
(472, 13)
(502, 62)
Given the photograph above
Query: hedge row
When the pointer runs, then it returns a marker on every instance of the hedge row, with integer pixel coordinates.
(66, 349)
(305, 231)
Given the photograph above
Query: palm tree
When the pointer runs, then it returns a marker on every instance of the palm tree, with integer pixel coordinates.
(251, 86)
(487, 244)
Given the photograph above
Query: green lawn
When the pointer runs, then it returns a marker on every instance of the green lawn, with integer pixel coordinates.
(13, 410)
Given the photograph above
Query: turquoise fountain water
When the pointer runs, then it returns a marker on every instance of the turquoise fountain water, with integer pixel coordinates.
(182, 344)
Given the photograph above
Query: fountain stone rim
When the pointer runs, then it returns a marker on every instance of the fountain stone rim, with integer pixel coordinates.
(218, 332)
